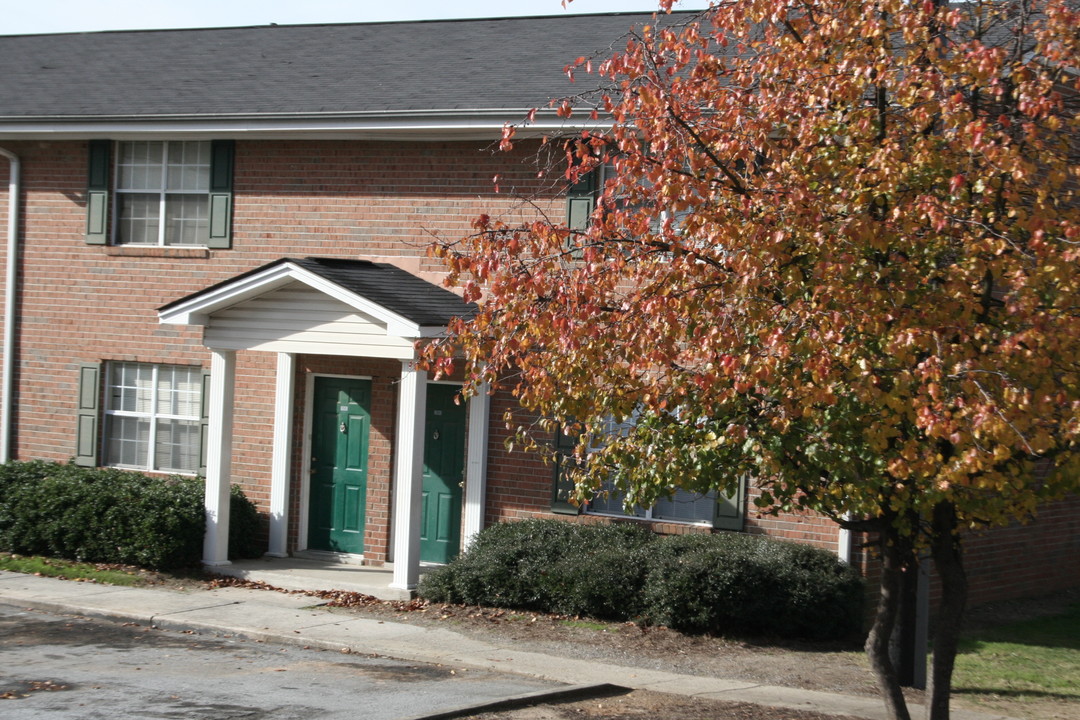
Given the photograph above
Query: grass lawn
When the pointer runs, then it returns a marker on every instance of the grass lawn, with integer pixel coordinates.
(1031, 665)
(48, 567)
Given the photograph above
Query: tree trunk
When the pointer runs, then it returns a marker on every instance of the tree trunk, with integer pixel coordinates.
(902, 646)
(877, 642)
(950, 568)
(905, 644)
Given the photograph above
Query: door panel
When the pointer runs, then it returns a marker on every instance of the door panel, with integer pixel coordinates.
(445, 529)
(339, 443)
(444, 471)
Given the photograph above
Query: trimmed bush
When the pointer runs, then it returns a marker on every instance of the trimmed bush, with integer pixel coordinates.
(735, 584)
(246, 534)
(723, 583)
(545, 565)
(107, 515)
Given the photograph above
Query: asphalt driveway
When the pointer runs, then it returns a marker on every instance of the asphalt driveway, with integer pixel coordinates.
(62, 667)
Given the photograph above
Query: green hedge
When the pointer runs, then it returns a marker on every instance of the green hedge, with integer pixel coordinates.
(111, 516)
(549, 566)
(718, 583)
(742, 584)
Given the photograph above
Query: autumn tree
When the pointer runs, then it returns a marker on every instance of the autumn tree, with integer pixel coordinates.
(835, 249)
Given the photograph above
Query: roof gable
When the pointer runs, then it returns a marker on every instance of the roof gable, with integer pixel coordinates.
(409, 306)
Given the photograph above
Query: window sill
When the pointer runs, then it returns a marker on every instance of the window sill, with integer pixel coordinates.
(654, 522)
(152, 473)
(153, 251)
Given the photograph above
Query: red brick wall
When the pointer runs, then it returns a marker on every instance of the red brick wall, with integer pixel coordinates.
(86, 303)
(1019, 560)
(82, 303)
(519, 482)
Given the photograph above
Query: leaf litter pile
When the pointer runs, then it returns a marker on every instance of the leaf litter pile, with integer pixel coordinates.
(356, 600)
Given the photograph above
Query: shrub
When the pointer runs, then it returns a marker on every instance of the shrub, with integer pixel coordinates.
(724, 583)
(728, 583)
(545, 565)
(245, 527)
(602, 574)
(504, 566)
(107, 515)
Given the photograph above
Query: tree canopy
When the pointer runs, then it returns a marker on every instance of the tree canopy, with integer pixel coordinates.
(835, 249)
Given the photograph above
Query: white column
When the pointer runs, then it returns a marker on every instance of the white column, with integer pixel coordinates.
(408, 475)
(476, 463)
(279, 465)
(219, 456)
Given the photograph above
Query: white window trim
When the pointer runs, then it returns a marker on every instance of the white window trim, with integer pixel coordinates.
(162, 192)
(611, 428)
(153, 416)
(648, 512)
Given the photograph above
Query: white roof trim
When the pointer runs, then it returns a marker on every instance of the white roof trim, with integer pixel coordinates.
(197, 311)
(483, 125)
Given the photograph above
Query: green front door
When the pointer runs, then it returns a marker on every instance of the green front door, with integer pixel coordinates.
(444, 467)
(339, 449)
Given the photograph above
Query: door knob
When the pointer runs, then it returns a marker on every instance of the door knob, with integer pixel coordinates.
(342, 428)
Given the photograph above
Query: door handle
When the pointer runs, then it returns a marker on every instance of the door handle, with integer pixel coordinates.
(343, 428)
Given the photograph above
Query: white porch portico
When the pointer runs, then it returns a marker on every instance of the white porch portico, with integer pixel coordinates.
(327, 307)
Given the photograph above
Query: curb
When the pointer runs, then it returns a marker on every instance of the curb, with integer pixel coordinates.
(570, 694)
(174, 624)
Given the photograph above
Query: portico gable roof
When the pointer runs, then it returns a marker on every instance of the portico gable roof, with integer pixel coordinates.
(410, 307)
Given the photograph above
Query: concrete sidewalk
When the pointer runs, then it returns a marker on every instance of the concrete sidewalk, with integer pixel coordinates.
(295, 619)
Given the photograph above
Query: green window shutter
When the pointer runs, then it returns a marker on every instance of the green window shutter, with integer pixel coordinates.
(562, 488)
(97, 192)
(578, 212)
(580, 201)
(87, 415)
(221, 193)
(204, 422)
(731, 509)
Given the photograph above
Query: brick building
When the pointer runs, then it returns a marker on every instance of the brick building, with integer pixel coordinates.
(220, 268)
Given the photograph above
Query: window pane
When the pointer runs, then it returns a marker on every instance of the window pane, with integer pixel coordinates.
(176, 447)
(130, 387)
(686, 506)
(187, 219)
(138, 218)
(128, 441)
(138, 166)
(189, 166)
(610, 502)
(179, 391)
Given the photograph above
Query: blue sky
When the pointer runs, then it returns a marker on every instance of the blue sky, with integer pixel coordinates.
(49, 16)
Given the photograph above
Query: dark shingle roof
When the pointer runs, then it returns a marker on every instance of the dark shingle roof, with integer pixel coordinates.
(397, 290)
(376, 68)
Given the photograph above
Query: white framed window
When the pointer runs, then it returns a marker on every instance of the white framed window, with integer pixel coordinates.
(682, 506)
(162, 192)
(153, 417)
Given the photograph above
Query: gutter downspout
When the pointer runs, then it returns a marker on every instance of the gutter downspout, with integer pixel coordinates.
(843, 543)
(11, 274)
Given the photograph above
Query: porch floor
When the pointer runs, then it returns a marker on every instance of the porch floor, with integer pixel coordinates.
(305, 574)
